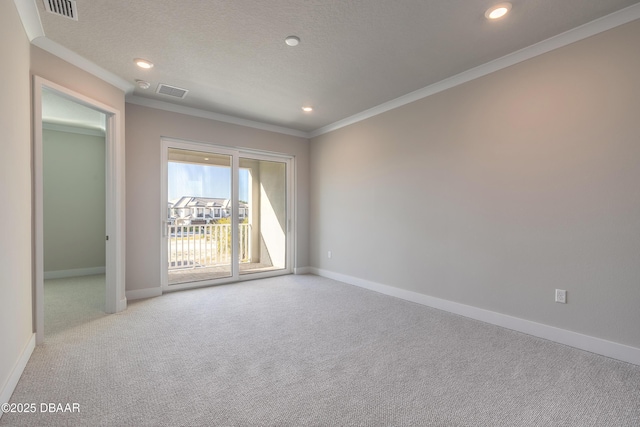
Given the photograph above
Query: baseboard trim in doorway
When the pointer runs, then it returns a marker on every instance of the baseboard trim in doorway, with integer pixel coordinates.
(61, 274)
(143, 293)
(302, 270)
(16, 373)
(589, 343)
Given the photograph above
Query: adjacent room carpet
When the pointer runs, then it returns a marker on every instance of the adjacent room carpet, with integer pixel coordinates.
(72, 301)
(308, 351)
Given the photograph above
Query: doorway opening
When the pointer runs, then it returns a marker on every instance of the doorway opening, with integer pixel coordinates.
(78, 180)
(74, 220)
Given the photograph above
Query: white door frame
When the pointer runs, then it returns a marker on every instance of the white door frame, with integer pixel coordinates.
(115, 199)
(235, 153)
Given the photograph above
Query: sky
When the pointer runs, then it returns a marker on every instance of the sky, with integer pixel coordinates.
(186, 179)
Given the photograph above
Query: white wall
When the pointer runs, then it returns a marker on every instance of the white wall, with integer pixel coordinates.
(503, 189)
(74, 200)
(145, 127)
(16, 329)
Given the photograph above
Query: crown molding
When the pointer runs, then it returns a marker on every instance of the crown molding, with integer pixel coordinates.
(589, 29)
(82, 63)
(72, 128)
(28, 12)
(196, 112)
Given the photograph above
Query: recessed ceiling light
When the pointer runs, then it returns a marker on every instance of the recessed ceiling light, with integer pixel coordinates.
(498, 11)
(143, 63)
(307, 109)
(292, 40)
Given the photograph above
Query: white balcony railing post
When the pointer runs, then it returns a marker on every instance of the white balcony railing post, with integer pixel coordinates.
(196, 246)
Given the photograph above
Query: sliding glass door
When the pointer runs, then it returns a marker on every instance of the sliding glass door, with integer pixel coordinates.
(198, 222)
(226, 215)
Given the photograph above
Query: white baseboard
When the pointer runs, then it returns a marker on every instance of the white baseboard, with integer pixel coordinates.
(122, 305)
(143, 293)
(611, 349)
(61, 274)
(302, 270)
(16, 373)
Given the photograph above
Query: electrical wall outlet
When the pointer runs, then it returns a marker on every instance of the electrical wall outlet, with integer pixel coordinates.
(329, 254)
(561, 296)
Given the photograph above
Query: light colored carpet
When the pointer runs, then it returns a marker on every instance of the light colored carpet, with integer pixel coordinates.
(308, 351)
(71, 302)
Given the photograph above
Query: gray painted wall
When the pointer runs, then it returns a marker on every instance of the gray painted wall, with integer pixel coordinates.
(144, 130)
(15, 192)
(501, 190)
(74, 200)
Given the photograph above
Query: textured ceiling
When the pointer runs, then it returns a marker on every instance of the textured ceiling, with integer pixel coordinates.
(353, 55)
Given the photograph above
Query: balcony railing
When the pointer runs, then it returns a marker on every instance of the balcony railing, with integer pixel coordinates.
(196, 246)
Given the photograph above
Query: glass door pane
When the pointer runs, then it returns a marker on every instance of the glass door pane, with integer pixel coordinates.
(262, 215)
(199, 188)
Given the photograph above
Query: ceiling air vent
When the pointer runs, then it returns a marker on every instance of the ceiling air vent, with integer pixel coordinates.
(66, 8)
(176, 92)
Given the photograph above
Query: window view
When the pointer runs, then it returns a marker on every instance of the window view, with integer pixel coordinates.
(200, 205)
